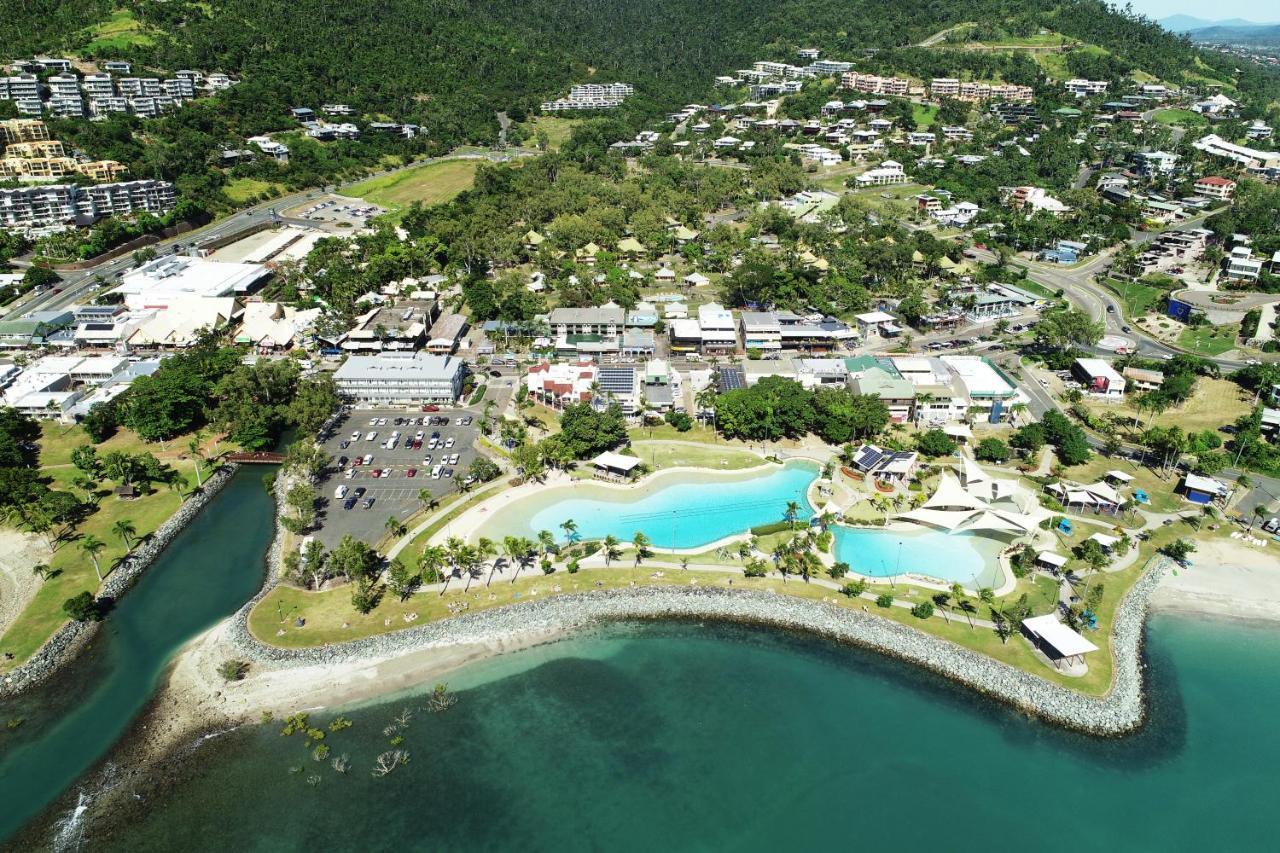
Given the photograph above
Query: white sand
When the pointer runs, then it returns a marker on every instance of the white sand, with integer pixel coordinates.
(1226, 578)
(18, 553)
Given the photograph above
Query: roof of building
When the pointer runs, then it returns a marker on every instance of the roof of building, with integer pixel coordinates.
(1064, 640)
(400, 367)
(616, 461)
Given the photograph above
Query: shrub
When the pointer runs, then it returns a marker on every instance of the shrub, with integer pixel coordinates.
(83, 608)
(233, 670)
(884, 600)
(923, 610)
(839, 570)
(773, 527)
(681, 421)
(853, 589)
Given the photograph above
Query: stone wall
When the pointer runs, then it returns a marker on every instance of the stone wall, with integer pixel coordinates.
(71, 637)
(1121, 710)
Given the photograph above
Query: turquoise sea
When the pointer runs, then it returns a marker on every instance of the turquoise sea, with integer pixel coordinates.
(700, 737)
(680, 510)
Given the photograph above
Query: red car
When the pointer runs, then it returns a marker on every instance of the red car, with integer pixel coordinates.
(431, 408)
(412, 472)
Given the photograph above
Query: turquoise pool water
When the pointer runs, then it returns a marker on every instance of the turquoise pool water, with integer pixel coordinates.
(680, 510)
(964, 557)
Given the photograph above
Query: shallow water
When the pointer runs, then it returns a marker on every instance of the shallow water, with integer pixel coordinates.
(677, 510)
(209, 570)
(684, 736)
(964, 557)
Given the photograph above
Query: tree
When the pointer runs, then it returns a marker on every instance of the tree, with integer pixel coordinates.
(641, 543)
(1179, 550)
(923, 610)
(126, 531)
(1030, 438)
(431, 563)
(354, 559)
(587, 432)
(93, 546)
(484, 469)
(570, 527)
(401, 580)
(884, 600)
(306, 458)
(395, 527)
(791, 513)
(233, 670)
(1062, 328)
(85, 458)
(83, 607)
(611, 550)
(934, 443)
(992, 450)
(427, 501)
(841, 416)
(197, 456)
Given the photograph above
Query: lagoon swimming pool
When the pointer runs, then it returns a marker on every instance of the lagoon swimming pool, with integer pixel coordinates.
(971, 559)
(676, 510)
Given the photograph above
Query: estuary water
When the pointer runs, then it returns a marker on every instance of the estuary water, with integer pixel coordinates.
(698, 737)
(209, 570)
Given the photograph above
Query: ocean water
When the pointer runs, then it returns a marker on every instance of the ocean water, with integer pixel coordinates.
(680, 510)
(700, 737)
(963, 557)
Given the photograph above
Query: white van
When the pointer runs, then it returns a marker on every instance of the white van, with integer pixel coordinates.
(340, 493)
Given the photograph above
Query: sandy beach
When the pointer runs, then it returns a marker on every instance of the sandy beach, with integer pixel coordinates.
(18, 553)
(1227, 578)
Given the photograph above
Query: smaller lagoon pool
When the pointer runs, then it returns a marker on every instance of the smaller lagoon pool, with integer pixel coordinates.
(876, 552)
(677, 510)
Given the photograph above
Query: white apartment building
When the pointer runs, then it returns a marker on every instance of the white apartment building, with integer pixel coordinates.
(874, 84)
(401, 378)
(58, 205)
(888, 172)
(1083, 88)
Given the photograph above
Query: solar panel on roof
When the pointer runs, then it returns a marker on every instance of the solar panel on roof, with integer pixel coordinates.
(732, 379)
(617, 379)
(869, 457)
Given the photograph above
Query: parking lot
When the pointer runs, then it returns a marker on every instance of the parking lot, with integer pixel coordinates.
(396, 493)
(336, 210)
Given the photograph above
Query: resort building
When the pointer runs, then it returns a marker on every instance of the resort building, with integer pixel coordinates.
(159, 283)
(562, 383)
(1215, 187)
(1204, 490)
(888, 172)
(896, 393)
(614, 466)
(398, 378)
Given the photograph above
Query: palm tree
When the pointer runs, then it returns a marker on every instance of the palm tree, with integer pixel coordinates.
(427, 501)
(705, 400)
(197, 456)
(93, 546)
(569, 526)
(1258, 513)
(485, 548)
(546, 541)
(987, 597)
(431, 561)
(395, 527)
(525, 550)
(792, 512)
(957, 593)
(126, 531)
(642, 544)
(40, 570)
(611, 552)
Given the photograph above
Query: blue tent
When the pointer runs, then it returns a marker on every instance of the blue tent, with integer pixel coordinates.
(1065, 526)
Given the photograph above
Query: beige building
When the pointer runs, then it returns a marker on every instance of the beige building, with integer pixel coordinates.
(23, 130)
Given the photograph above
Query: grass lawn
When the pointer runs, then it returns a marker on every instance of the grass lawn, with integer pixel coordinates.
(1177, 116)
(1213, 403)
(923, 115)
(1138, 298)
(1159, 491)
(662, 454)
(1036, 288)
(432, 183)
(1055, 64)
(240, 190)
(556, 128)
(119, 32)
(666, 432)
(74, 569)
(1209, 340)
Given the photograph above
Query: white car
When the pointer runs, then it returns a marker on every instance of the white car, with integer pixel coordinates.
(382, 421)
(368, 458)
(419, 436)
(370, 436)
(448, 442)
(355, 436)
(433, 444)
(453, 459)
(435, 472)
(351, 472)
(340, 493)
(373, 421)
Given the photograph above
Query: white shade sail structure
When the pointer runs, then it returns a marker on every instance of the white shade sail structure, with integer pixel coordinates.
(953, 508)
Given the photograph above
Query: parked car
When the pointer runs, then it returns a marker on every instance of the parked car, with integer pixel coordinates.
(448, 442)
(340, 492)
(342, 462)
(351, 472)
(370, 436)
(368, 458)
(373, 421)
(359, 492)
(412, 472)
(344, 444)
(349, 503)
(368, 503)
(355, 436)
(426, 460)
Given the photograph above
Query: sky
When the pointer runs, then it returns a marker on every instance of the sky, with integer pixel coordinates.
(1262, 11)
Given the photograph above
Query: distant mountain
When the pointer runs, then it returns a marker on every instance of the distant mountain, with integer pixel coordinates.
(1258, 35)
(1187, 23)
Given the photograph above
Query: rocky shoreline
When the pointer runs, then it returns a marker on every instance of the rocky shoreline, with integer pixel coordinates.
(67, 642)
(1120, 711)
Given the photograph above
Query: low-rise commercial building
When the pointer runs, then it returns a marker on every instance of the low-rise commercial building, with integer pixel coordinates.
(401, 378)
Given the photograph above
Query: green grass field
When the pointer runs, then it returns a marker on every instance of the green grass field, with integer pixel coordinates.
(556, 128)
(114, 35)
(1177, 116)
(433, 183)
(1138, 298)
(923, 115)
(241, 190)
(664, 454)
(1209, 340)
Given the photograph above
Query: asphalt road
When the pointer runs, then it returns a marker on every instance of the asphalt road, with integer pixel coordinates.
(75, 285)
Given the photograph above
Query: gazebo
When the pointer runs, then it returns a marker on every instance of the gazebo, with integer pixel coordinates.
(614, 466)
(1059, 643)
